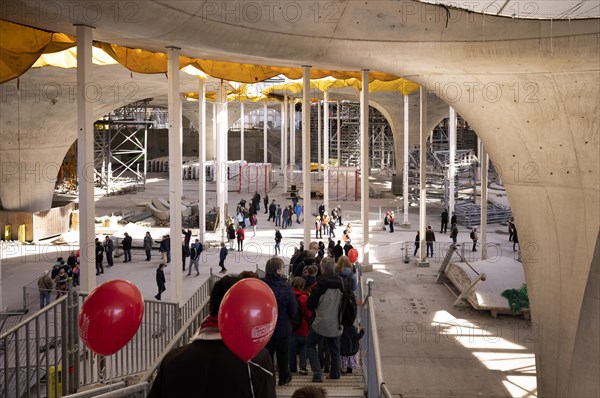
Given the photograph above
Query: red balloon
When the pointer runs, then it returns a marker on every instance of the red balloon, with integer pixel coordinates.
(353, 255)
(247, 317)
(110, 316)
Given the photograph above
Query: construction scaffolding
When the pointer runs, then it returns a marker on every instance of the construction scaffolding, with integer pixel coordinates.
(120, 145)
(382, 155)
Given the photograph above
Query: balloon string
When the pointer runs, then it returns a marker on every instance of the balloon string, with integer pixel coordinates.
(258, 366)
(250, 378)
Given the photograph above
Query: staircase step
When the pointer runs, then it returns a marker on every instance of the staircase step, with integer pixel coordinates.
(349, 385)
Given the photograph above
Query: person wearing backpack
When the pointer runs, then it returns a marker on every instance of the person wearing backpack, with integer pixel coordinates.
(454, 233)
(326, 300)
(474, 238)
(299, 327)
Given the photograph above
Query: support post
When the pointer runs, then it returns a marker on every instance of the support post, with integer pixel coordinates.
(282, 137)
(202, 160)
(214, 132)
(339, 134)
(284, 158)
(85, 160)
(326, 150)
(306, 154)
(452, 168)
(423, 175)
(293, 136)
(405, 166)
(484, 200)
(364, 168)
(319, 137)
(221, 162)
(242, 127)
(265, 110)
(175, 183)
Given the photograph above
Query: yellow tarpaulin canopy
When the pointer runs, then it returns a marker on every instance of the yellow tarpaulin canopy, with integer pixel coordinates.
(21, 46)
(331, 84)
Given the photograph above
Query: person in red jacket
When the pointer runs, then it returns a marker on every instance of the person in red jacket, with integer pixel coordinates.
(240, 238)
(298, 336)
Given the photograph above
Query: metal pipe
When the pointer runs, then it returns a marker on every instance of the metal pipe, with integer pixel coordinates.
(306, 153)
(364, 167)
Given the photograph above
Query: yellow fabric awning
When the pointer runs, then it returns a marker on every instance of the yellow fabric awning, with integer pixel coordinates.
(21, 46)
(328, 84)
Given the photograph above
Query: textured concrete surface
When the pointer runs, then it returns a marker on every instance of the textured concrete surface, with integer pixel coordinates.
(529, 89)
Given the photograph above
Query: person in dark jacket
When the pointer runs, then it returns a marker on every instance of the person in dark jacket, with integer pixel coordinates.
(417, 243)
(109, 248)
(185, 253)
(99, 257)
(444, 221)
(429, 239)
(148, 246)
(454, 233)
(207, 368)
(338, 251)
(286, 308)
(272, 210)
(127, 248)
(453, 219)
(160, 280)
(278, 238)
(165, 249)
(325, 299)
(222, 256)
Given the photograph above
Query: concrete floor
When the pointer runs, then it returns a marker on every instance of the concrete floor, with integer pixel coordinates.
(429, 348)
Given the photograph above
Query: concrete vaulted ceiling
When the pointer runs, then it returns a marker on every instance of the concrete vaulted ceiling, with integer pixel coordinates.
(529, 87)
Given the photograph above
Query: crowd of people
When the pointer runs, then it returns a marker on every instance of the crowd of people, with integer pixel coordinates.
(315, 326)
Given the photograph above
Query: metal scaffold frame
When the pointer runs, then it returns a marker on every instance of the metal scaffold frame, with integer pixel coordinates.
(381, 138)
(121, 143)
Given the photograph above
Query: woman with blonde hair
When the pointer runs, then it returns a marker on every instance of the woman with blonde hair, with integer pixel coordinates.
(345, 269)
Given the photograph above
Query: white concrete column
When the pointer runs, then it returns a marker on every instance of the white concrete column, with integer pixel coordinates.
(326, 150)
(175, 178)
(339, 134)
(202, 160)
(293, 139)
(282, 137)
(221, 162)
(284, 158)
(452, 169)
(405, 166)
(478, 174)
(364, 168)
(265, 117)
(484, 200)
(214, 132)
(423, 174)
(306, 154)
(319, 136)
(242, 127)
(85, 160)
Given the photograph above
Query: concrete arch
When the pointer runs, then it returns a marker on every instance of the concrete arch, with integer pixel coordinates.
(544, 123)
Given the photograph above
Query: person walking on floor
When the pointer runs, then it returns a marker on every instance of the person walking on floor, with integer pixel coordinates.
(278, 238)
(453, 219)
(222, 256)
(185, 253)
(165, 249)
(231, 235)
(454, 233)
(318, 227)
(429, 239)
(392, 218)
(278, 216)
(127, 248)
(515, 238)
(285, 215)
(109, 247)
(417, 244)
(160, 280)
(266, 204)
(474, 238)
(272, 210)
(339, 215)
(45, 286)
(253, 222)
(444, 226)
(99, 257)
(197, 250)
(240, 238)
(148, 242)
